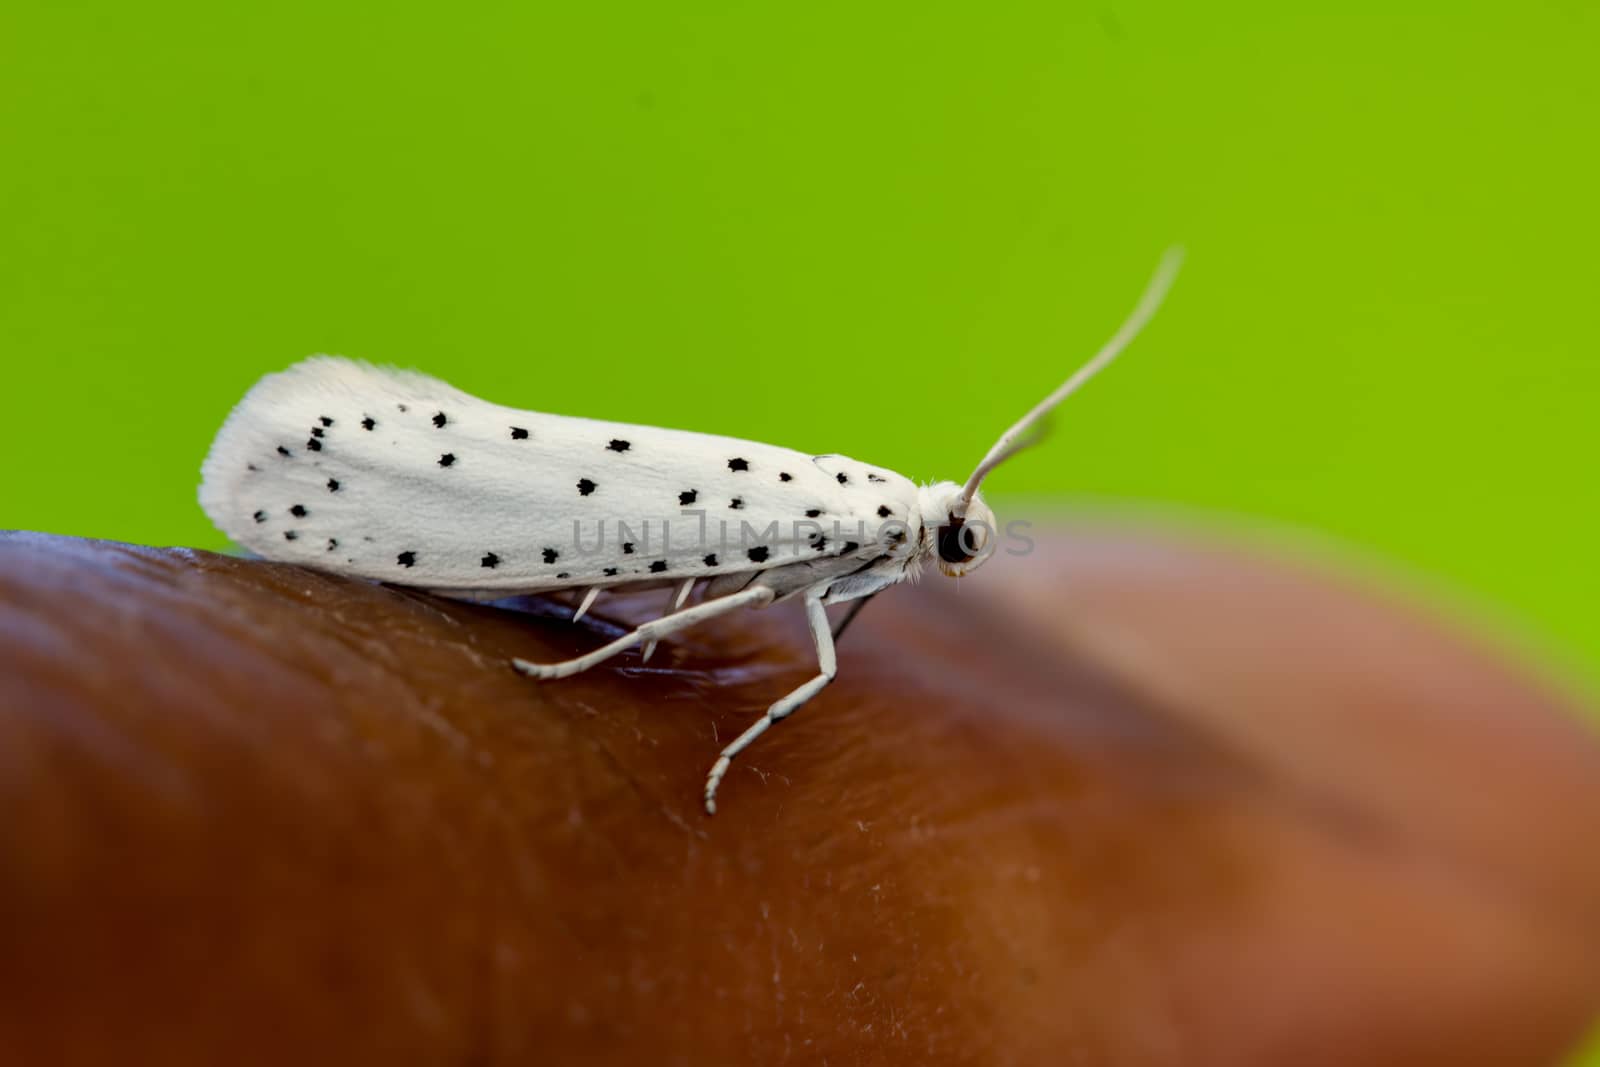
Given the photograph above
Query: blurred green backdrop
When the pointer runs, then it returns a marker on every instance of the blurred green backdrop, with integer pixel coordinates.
(881, 229)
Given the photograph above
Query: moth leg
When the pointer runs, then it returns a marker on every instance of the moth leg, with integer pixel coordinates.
(677, 602)
(850, 615)
(652, 630)
(822, 635)
(588, 602)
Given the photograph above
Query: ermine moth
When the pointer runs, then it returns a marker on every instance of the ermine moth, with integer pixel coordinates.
(396, 476)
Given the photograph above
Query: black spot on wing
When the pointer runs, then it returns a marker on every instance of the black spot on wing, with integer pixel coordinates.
(260, 516)
(563, 574)
(489, 560)
(406, 559)
(785, 476)
(290, 535)
(658, 566)
(447, 460)
(283, 451)
(818, 542)
(585, 487)
(738, 464)
(439, 419)
(736, 503)
(518, 433)
(298, 511)
(369, 423)
(627, 548)
(333, 543)
(333, 485)
(618, 445)
(758, 554)
(687, 497)
(314, 445)
(875, 477)
(316, 431)
(551, 555)
(324, 420)
(844, 479)
(711, 560)
(849, 547)
(812, 513)
(610, 572)
(883, 511)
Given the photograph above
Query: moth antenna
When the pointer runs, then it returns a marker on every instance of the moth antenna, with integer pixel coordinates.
(1018, 436)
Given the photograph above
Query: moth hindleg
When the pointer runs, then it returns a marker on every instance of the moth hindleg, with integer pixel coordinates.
(587, 603)
(654, 629)
(822, 635)
(678, 598)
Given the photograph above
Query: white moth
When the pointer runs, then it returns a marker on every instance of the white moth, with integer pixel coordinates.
(395, 476)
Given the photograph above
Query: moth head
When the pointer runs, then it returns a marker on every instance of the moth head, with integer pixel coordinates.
(961, 542)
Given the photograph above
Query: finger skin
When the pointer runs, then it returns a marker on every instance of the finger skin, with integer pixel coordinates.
(1134, 800)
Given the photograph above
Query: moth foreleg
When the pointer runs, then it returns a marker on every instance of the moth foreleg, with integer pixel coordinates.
(653, 630)
(850, 615)
(822, 635)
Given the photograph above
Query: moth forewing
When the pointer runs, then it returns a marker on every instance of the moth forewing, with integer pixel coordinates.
(398, 477)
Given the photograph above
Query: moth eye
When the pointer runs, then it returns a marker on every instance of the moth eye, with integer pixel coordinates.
(952, 544)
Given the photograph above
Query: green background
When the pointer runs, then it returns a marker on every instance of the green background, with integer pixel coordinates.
(880, 229)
